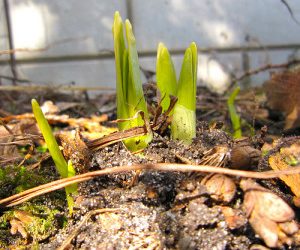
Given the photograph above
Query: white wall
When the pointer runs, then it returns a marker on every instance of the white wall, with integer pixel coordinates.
(83, 28)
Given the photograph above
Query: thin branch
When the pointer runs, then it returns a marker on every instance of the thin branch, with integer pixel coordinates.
(265, 68)
(87, 216)
(290, 11)
(167, 167)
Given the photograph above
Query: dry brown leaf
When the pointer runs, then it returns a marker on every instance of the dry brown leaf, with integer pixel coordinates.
(92, 124)
(217, 156)
(220, 187)
(283, 94)
(13, 135)
(19, 222)
(284, 159)
(271, 217)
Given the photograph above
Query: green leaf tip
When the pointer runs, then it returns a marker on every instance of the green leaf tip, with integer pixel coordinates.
(129, 33)
(187, 84)
(165, 76)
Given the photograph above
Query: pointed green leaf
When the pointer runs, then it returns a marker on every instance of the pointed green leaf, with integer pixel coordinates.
(186, 84)
(136, 100)
(130, 95)
(194, 50)
(119, 48)
(50, 140)
(234, 117)
(165, 75)
(135, 95)
(183, 125)
(122, 95)
(65, 170)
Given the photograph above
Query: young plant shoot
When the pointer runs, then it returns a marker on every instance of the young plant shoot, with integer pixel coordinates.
(165, 76)
(234, 117)
(130, 95)
(65, 170)
(183, 126)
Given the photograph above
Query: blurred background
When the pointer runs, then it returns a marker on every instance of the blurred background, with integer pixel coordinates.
(70, 42)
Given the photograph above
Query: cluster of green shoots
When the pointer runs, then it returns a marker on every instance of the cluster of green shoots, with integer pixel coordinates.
(130, 95)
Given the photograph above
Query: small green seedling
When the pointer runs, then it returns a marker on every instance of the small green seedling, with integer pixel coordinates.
(234, 117)
(64, 169)
(130, 95)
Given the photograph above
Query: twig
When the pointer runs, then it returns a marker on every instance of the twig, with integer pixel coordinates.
(68, 241)
(264, 68)
(16, 139)
(167, 167)
(290, 11)
(6, 127)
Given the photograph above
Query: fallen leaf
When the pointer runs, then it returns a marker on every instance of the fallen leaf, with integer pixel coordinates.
(270, 217)
(285, 86)
(286, 157)
(220, 187)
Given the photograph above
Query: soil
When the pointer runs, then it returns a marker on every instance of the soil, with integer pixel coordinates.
(151, 209)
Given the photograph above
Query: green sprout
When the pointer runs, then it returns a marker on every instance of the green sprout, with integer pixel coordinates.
(234, 117)
(183, 125)
(130, 95)
(64, 169)
(165, 76)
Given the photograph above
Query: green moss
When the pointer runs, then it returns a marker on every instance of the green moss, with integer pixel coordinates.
(42, 224)
(15, 179)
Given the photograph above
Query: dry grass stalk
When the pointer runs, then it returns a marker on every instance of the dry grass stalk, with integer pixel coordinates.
(168, 167)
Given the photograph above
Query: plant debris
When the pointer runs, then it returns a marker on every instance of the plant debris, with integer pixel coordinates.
(271, 218)
(285, 86)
